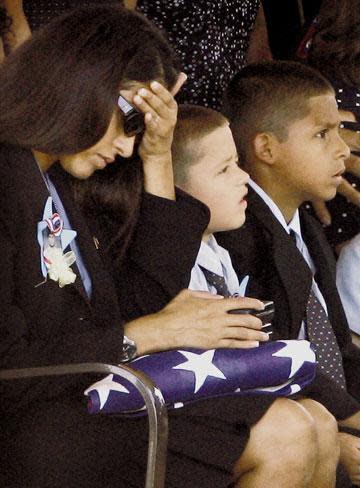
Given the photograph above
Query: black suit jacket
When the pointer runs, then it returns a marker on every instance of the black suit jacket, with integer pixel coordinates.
(45, 324)
(264, 250)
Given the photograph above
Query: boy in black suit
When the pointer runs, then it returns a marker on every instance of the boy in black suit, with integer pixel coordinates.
(285, 123)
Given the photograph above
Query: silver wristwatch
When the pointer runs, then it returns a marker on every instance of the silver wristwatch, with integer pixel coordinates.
(129, 351)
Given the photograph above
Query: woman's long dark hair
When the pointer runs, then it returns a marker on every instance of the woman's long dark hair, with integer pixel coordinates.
(60, 89)
(335, 48)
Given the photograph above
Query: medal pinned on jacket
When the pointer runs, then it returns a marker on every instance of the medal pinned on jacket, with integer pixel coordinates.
(53, 240)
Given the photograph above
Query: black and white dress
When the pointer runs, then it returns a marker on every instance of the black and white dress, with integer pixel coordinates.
(40, 12)
(211, 39)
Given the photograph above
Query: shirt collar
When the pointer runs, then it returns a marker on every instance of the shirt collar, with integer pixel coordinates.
(294, 224)
(211, 256)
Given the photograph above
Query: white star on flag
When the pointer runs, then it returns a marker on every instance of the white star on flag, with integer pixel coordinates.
(201, 365)
(295, 388)
(104, 386)
(298, 352)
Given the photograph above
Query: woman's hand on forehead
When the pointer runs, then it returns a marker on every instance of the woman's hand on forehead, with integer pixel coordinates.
(160, 113)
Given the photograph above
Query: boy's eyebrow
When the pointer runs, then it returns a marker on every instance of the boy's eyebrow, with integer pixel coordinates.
(227, 160)
(329, 125)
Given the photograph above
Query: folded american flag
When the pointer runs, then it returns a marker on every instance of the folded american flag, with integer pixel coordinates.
(279, 368)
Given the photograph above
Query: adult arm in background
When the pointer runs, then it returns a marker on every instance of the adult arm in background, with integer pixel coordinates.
(259, 47)
(352, 139)
(19, 30)
(130, 4)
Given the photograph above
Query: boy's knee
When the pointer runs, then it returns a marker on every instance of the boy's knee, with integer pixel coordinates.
(326, 428)
(285, 438)
(289, 427)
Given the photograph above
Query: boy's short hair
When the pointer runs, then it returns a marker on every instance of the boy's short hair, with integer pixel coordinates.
(193, 123)
(268, 97)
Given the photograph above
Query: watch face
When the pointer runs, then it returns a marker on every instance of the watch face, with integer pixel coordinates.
(129, 350)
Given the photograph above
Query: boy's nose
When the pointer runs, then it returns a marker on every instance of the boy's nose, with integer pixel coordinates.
(243, 177)
(343, 148)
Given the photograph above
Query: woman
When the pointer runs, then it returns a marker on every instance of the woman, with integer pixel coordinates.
(60, 120)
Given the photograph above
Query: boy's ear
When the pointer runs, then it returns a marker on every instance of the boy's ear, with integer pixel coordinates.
(265, 147)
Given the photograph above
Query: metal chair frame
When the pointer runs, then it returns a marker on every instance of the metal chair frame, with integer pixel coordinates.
(154, 402)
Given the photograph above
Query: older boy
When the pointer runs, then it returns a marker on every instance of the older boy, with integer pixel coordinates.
(285, 123)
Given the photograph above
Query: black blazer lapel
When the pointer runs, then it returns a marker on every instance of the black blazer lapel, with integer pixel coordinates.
(293, 271)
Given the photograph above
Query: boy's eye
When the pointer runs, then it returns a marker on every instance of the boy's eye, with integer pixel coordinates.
(322, 134)
(224, 170)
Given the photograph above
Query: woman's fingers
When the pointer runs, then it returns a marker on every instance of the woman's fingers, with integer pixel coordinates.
(229, 303)
(156, 101)
(349, 192)
(179, 83)
(321, 211)
(207, 322)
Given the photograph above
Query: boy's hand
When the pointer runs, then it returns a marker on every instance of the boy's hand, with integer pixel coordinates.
(350, 456)
(200, 320)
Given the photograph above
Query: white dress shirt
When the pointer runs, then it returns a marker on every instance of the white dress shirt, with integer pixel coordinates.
(215, 258)
(295, 226)
(348, 281)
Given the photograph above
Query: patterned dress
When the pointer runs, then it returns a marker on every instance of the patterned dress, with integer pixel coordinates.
(211, 39)
(40, 12)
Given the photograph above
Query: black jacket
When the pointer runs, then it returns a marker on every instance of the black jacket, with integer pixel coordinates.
(264, 250)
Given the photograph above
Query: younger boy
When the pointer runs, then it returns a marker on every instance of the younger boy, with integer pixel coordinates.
(206, 166)
(285, 123)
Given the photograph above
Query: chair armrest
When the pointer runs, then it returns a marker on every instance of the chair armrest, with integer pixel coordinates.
(155, 405)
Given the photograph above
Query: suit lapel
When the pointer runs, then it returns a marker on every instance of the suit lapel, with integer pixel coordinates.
(294, 273)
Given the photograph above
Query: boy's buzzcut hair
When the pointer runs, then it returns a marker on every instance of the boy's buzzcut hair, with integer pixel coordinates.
(193, 123)
(268, 97)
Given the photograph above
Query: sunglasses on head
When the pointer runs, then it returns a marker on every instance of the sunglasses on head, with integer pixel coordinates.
(133, 119)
